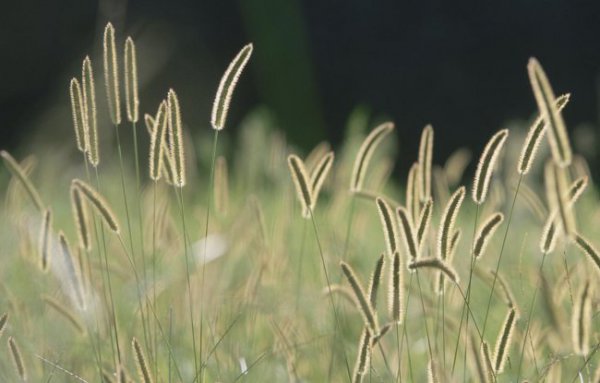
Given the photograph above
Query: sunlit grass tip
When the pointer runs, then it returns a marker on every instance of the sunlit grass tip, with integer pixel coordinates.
(301, 182)
(227, 86)
(89, 105)
(582, 320)
(141, 363)
(132, 100)
(485, 233)
(78, 114)
(362, 300)
(447, 222)
(365, 153)
(389, 225)
(111, 74)
(485, 167)
(176, 139)
(425, 159)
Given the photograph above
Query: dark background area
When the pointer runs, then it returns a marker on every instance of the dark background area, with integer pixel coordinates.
(459, 66)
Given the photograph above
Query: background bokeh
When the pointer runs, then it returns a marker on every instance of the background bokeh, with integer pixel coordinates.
(459, 66)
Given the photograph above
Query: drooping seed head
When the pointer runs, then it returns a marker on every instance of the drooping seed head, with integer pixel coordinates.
(362, 300)
(17, 359)
(176, 139)
(425, 159)
(80, 218)
(364, 356)
(396, 289)
(411, 244)
(535, 135)
(111, 74)
(365, 153)
(438, 264)
(89, 105)
(226, 87)
(413, 191)
(17, 172)
(447, 222)
(99, 203)
(45, 239)
(485, 233)
(375, 281)
(131, 81)
(485, 167)
(557, 191)
(388, 223)
(589, 250)
(319, 174)
(302, 183)
(545, 99)
(424, 220)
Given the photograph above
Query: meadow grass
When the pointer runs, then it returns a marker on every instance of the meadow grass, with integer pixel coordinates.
(233, 286)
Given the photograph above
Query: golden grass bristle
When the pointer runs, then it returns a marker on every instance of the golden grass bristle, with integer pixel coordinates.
(17, 359)
(80, 218)
(545, 99)
(447, 222)
(438, 264)
(557, 191)
(375, 281)
(78, 113)
(503, 343)
(362, 300)
(364, 356)
(111, 74)
(486, 165)
(88, 90)
(318, 176)
(157, 142)
(226, 87)
(581, 320)
(176, 139)
(99, 203)
(455, 165)
(389, 225)
(132, 100)
(425, 159)
(365, 153)
(413, 192)
(588, 249)
(221, 185)
(72, 273)
(301, 182)
(65, 312)
(423, 223)
(535, 135)
(411, 244)
(396, 289)
(487, 363)
(485, 233)
(45, 239)
(142, 365)
(16, 170)
(3, 322)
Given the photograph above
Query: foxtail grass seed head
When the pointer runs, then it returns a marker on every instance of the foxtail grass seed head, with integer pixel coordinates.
(447, 222)
(131, 81)
(362, 300)
(438, 264)
(140, 359)
(581, 321)
(17, 172)
(365, 153)
(396, 289)
(157, 141)
(588, 249)
(485, 167)
(78, 113)
(364, 356)
(111, 74)
(409, 238)
(424, 220)
(226, 87)
(99, 203)
(89, 105)
(45, 239)
(221, 186)
(535, 135)
(545, 99)
(17, 359)
(176, 139)
(548, 239)
(301, 182)
(375, 281)
(425, 159)
(485, 233)
(576, 190)
(504, 341)
(413, 191)
(388, 223)
(318, 175)
(487, 363)
(80, 218)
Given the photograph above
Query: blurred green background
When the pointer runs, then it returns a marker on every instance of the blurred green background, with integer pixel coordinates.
(460, 67)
